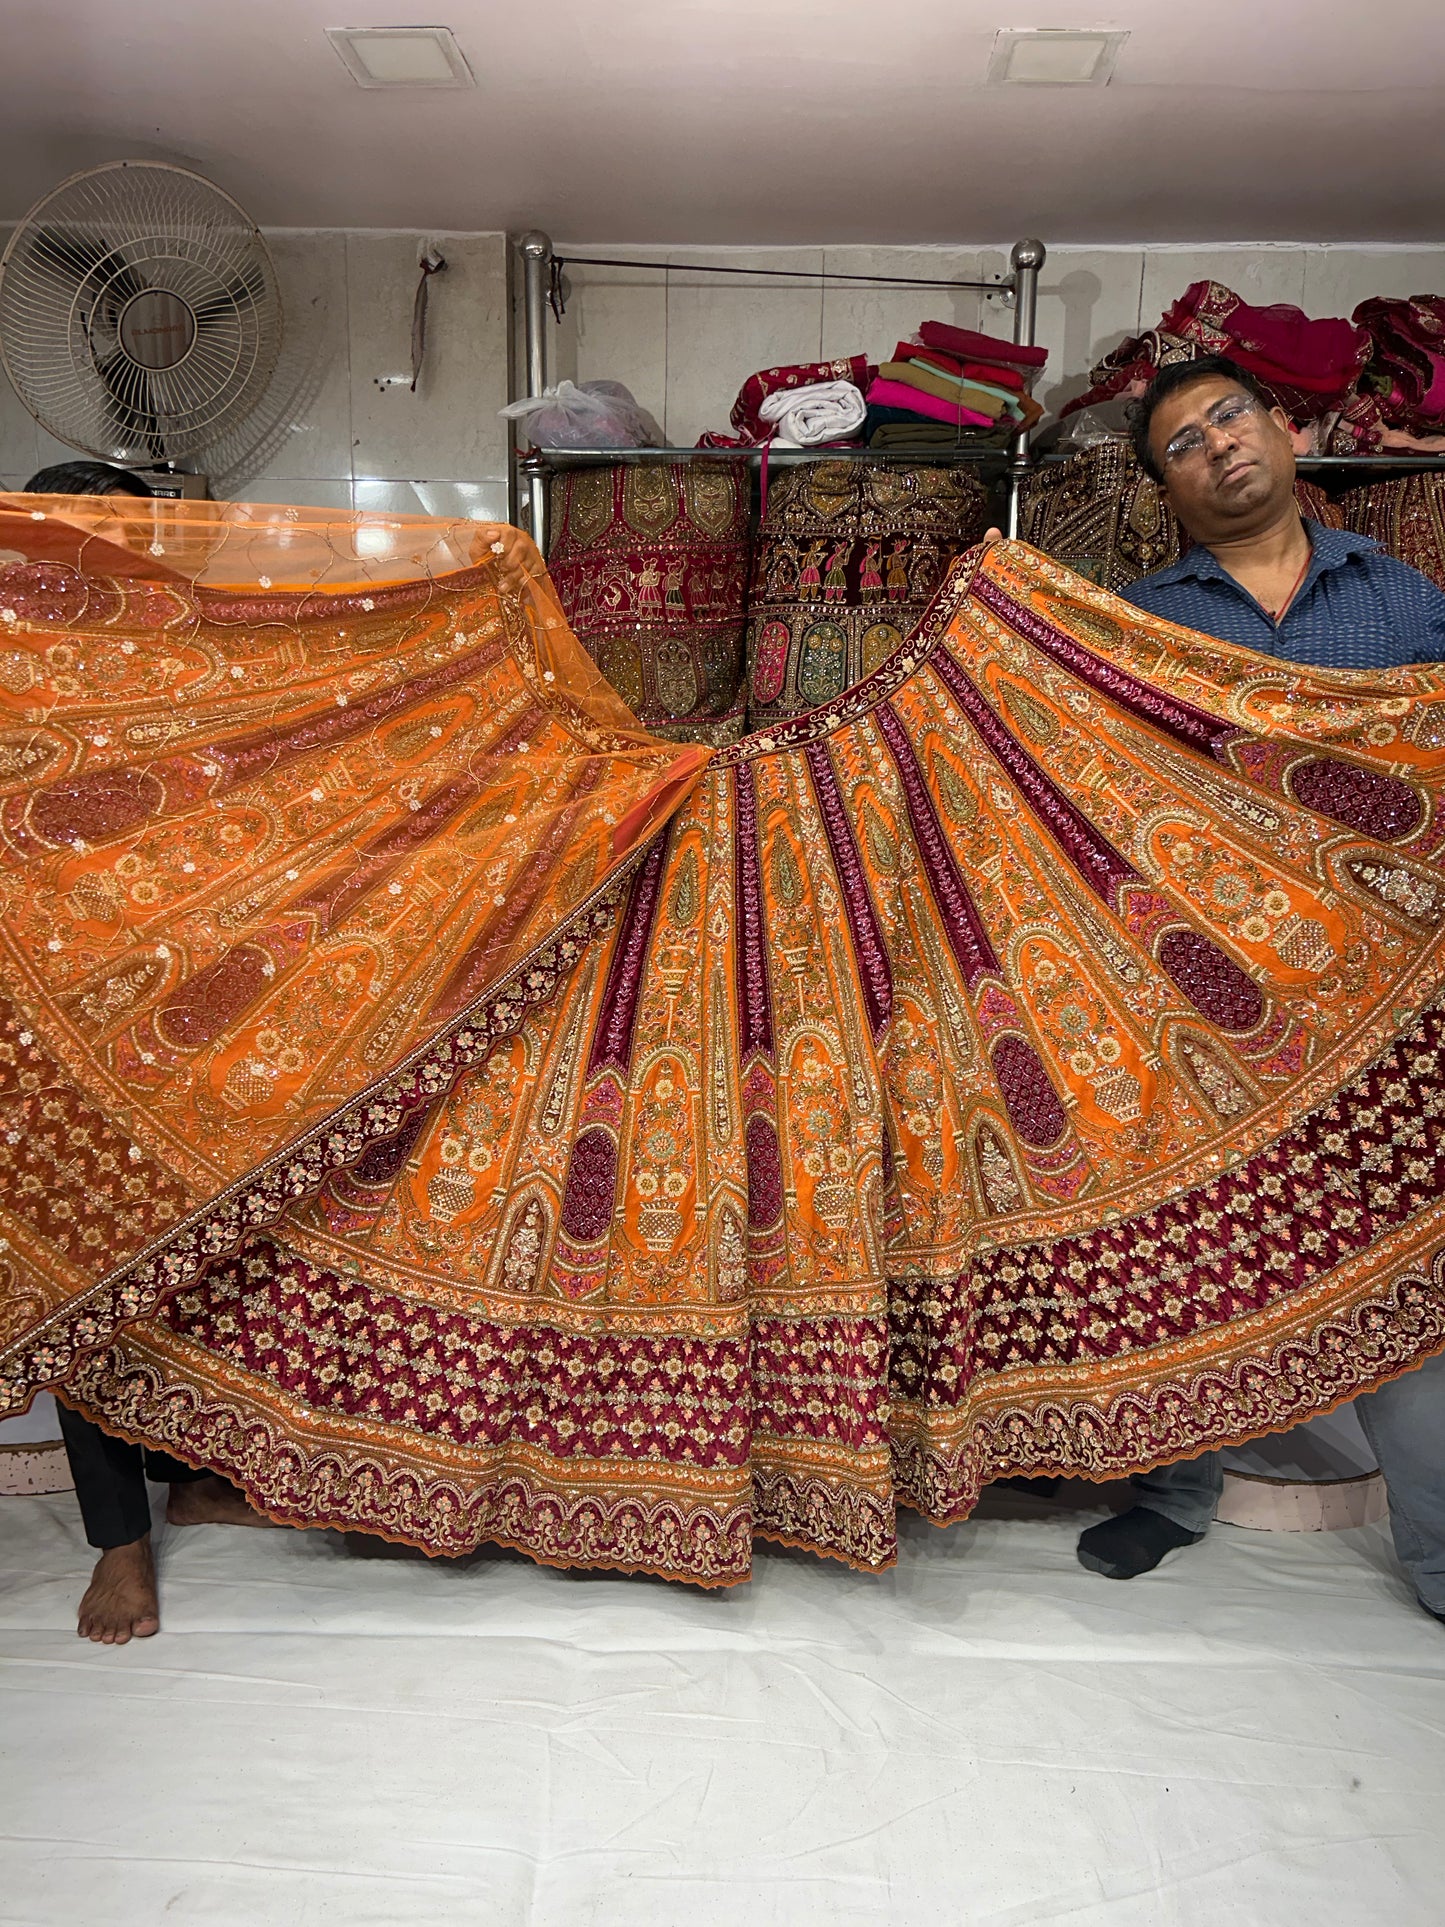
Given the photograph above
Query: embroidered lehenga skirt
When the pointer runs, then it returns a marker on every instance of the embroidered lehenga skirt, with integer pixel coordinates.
(650, 562)
(1406, 517)
(849, 556)
(453, 1114)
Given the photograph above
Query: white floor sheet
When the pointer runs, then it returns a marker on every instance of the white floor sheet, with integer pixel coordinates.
(1252, 1735)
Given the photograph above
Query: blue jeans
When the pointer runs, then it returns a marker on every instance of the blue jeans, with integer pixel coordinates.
(1405, 1424)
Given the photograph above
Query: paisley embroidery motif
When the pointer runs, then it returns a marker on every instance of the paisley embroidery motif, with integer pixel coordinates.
(996, 1174)
(820, 667)
(525, 1249)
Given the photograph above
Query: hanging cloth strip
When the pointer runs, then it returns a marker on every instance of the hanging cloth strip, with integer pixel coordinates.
(453, 1115)
(431, 263)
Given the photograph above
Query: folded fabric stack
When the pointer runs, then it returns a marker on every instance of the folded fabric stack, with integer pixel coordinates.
(1363, 386)
(1099, 512)
(849, 556)
(650, 564)
(950, 386)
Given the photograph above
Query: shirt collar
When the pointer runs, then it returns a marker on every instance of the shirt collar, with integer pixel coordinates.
(1330, 549)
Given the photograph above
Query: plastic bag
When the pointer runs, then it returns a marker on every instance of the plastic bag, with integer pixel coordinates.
(1091, 427)
(596, 414)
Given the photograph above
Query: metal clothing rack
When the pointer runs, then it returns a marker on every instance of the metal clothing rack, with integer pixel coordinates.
(541, 267)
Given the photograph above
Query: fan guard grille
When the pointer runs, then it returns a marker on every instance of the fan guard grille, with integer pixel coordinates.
(139, 315)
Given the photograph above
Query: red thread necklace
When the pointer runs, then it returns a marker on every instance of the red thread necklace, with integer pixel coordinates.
(1275, 614)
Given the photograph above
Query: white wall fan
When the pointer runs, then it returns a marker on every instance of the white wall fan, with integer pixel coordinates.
(139, 316)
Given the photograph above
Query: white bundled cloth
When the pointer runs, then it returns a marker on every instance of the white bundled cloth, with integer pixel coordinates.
(825, 411)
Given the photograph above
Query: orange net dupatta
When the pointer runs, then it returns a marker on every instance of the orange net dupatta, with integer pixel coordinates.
(284, 796)
(455, 1115)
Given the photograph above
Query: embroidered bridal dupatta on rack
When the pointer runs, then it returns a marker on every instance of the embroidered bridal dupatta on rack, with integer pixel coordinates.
(454, 1114)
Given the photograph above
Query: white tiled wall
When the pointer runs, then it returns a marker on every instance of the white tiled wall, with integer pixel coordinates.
(339, 425)
(684, 345)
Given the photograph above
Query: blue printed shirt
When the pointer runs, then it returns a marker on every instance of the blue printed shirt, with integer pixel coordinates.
(1357, 607)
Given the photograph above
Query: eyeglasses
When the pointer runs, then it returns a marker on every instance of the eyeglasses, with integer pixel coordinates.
(1229, 415)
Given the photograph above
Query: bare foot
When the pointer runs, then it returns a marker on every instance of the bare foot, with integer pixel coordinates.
(120, 1602)
(211, 1501)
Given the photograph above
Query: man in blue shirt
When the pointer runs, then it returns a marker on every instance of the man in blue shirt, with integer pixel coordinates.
(1258, 575)
(1262, 577)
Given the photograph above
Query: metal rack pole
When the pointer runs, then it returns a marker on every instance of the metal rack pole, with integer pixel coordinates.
(1026, 259)
(536, 251)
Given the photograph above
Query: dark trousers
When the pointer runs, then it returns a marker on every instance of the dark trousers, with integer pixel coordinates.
(110, 1480)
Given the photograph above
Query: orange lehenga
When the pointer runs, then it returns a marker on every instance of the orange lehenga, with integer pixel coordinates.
(455, 1114)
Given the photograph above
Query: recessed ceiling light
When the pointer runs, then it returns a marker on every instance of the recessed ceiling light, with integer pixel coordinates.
(401, 56)
(1054, 57)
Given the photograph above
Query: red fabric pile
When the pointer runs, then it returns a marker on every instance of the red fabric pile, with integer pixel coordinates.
(1371, 383)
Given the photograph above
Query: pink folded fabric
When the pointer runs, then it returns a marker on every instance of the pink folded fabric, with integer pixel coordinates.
(897, 394)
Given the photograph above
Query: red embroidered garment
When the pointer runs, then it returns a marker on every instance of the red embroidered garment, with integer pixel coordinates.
(454, 1115)
(1406, 517)
(1126, 371)
(1374, 383)
(849, 556)
(1406, 372)
(756, 389)
(1310, 365)
(650, 563)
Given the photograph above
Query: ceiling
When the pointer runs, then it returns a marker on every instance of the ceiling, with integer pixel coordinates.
(761, 121)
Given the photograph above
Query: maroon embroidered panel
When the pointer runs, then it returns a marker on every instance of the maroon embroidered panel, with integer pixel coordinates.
(1215, 984)
(1035, 1108)
(874, 973)
(1368, 800)
(591, 1185)
(96, 807)
(765, 1173)
(612, 1045)
(1193, 728)
(1086, 847)
(967, 935)
(1334, 1185)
